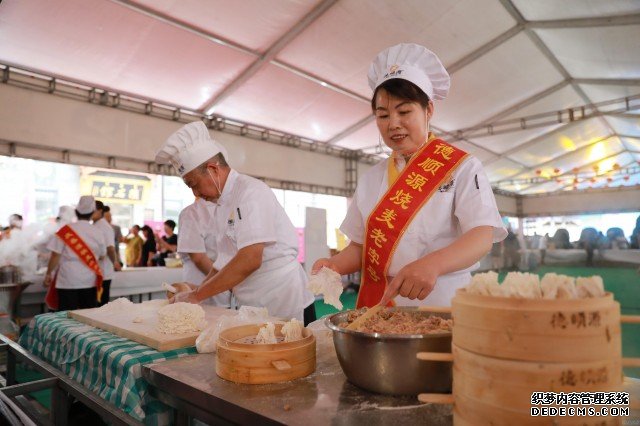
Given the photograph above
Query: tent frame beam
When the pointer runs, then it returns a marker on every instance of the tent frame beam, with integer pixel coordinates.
(559, 157)
(269, 55)
(605, 21)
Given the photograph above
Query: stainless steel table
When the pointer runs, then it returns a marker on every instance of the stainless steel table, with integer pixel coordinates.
(325, 397)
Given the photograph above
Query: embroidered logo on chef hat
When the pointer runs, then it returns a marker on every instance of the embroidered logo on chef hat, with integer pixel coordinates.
(413, 63)
(189, 147)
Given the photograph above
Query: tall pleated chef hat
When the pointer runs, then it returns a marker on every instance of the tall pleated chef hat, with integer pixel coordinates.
(86, 204)
(189, 147)
(412, 62)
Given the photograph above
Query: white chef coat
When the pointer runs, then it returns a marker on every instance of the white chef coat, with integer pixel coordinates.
(465, 202)
(72, 272)
(248, 213)
(109, 238)
(195, 225)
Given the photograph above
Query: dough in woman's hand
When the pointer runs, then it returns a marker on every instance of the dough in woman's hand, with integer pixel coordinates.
(328, 283)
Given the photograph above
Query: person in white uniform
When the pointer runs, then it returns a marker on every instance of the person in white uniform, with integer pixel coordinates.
(109, 264)
(76, 283)
(456, 227)
(197, 247)
(256, 243)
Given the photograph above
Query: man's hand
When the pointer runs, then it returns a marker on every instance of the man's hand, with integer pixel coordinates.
(415, 281)
(47, 280)
(185, 296)
(320, 263)
(117, 266)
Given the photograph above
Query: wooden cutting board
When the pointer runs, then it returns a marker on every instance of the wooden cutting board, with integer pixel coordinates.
(121, 324)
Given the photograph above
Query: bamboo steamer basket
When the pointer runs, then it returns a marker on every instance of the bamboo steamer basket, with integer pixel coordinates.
(562, 330)
(263, 363)
(504, 349)
(498, 391)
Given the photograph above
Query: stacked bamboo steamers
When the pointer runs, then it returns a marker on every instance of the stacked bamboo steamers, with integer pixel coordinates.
(505, 349)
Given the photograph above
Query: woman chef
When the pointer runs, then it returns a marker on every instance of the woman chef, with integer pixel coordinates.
(421, 220)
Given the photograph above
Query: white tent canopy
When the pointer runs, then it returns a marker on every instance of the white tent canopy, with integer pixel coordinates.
(546, 93)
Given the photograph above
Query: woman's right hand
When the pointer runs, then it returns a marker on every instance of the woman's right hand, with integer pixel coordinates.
(324, 262)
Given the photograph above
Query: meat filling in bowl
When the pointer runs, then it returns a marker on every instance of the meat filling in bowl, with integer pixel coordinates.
(389, 321)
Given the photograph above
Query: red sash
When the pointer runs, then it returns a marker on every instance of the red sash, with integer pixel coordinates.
(427, 170)
(80, 248)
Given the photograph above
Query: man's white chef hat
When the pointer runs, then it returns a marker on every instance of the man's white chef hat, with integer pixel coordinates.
(189, 147)
(414, 63)
(66, 214)
(86, 204)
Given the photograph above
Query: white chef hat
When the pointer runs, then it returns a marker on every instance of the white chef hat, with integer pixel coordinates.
(189, 147)
(412, 62)
(66, 214)
(86, 204)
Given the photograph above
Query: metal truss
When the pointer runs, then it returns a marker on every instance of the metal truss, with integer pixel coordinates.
(39, 81)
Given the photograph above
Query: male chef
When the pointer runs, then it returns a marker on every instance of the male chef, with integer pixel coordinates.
(256, 242)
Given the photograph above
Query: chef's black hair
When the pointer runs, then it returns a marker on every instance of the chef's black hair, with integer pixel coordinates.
(403, 89)
(83, 216)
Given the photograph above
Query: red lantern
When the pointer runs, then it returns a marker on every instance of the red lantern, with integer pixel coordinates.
(609, 180)
(575, 170)
(592, 180)
(538, 172)
(626, 177)
(575, 181)
(559, 180)
(616, 166)
(557, 171)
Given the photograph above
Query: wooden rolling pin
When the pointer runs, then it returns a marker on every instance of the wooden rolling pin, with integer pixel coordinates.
(435, 356)
(436, 398)
(630, 319)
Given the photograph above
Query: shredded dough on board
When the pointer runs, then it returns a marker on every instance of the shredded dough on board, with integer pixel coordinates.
(181, 317)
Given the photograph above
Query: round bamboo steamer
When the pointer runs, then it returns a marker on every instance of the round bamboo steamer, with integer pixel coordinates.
(469, 412)
(560, 330)
(263, 363)
(507, 385)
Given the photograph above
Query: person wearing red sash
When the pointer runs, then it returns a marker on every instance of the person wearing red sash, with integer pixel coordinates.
(420, 220)
(75, 255)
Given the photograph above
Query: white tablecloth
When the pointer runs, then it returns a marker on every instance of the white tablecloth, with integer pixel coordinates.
(128, 282)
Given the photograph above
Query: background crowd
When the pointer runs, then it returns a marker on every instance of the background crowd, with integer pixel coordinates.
(508, 254)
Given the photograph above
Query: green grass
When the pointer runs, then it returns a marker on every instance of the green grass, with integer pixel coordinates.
(624, 283)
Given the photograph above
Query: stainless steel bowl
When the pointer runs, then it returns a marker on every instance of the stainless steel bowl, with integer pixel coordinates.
(387, 363)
